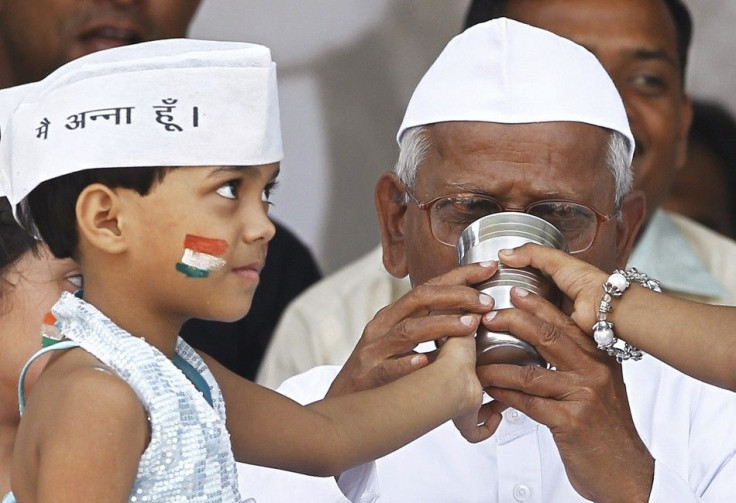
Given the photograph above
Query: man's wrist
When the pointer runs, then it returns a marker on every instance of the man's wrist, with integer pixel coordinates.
(636, 485)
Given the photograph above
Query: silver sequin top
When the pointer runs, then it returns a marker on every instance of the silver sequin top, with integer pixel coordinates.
(189, 458)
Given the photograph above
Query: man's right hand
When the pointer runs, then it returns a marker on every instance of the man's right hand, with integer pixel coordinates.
(446, 306)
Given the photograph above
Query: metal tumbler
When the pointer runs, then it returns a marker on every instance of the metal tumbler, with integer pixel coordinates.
(481, 241)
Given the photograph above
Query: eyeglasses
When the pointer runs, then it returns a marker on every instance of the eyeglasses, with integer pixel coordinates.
(449, 215)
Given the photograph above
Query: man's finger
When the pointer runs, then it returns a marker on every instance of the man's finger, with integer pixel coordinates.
(467, 275)
(410, 332)
(550, 341)
(529, 379)
(550, 314)
(429, 298)
(542, 410)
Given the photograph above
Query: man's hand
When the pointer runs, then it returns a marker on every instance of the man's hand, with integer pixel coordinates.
(583, 402)
(446, 306)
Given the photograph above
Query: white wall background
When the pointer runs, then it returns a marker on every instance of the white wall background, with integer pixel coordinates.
(346, 70)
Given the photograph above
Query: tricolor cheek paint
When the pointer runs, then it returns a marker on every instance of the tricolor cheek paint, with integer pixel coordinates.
(201, 255)
(50, 330)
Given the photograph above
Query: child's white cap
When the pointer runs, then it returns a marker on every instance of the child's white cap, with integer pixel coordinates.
(9, 100)
(179, 102)
(508, 72)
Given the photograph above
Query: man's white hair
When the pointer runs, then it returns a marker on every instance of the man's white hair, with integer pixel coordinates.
(414, 148)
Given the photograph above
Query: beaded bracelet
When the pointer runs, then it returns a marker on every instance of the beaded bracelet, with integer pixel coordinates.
(615, 286)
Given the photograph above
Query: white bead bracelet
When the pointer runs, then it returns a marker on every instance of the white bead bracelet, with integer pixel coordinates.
(603, 334)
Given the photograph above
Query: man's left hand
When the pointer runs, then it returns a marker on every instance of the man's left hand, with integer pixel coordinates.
(583, 402)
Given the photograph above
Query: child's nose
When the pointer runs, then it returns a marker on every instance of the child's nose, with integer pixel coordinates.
(259, 226)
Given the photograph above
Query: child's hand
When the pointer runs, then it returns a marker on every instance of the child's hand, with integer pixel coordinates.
(475, 421)
(580, 281)
(481, 423)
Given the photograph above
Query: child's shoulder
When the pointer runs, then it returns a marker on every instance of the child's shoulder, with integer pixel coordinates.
(76, 390)
(86, 423)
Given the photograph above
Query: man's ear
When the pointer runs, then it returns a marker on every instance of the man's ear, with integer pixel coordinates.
(391, 209)
(633, 210)
(98, 212)
(686, 119)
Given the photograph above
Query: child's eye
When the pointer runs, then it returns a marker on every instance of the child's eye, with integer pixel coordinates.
(268, 192)
(229, 189)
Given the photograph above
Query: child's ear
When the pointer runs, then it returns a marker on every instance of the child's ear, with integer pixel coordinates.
(98, 212)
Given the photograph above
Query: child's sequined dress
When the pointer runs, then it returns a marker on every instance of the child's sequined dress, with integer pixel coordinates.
(189, 457)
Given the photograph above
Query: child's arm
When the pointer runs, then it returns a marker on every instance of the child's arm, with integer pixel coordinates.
(81, 436)
(698, 339)
(332, 435)
(329, 436)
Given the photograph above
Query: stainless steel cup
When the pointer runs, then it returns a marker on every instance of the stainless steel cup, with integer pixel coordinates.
(481, 241)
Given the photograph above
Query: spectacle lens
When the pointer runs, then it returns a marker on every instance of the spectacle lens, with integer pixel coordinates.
(577, 223)
(450, 215)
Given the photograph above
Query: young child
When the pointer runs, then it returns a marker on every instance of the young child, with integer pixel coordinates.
(697, 339)
(152, 166)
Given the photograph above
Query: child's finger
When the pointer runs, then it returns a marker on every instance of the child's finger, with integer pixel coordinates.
(476, 428)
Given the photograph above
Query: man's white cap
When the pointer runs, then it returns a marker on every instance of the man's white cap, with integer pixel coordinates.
(508, 72)
(179, 102)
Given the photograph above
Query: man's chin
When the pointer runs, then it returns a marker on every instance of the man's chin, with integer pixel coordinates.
(95, 44)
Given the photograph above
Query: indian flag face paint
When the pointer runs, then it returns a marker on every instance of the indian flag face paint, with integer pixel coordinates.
(50, 330)
(201, 255)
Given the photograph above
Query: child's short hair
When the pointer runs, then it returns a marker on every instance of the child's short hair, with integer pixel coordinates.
(50, 208)
(14, 243)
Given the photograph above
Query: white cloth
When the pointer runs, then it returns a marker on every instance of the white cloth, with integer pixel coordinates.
(178, 102)
(189, 457)
(323, 324)
(690, 260)
(509, 72)
(689, 428)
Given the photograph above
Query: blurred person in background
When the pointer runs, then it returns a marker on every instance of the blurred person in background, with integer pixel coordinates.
(705, 189)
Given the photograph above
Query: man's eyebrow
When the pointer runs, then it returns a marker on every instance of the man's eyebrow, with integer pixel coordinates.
(467, 187)
(656, 54)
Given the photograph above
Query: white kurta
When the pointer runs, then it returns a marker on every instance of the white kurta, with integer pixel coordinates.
(689, 427)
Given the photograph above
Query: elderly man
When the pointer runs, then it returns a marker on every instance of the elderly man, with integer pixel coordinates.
(643, 45)
(36, 37)
(511, 117)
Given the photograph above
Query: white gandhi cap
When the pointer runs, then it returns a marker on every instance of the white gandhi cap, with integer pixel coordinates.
(508, 72)
(179, 102)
